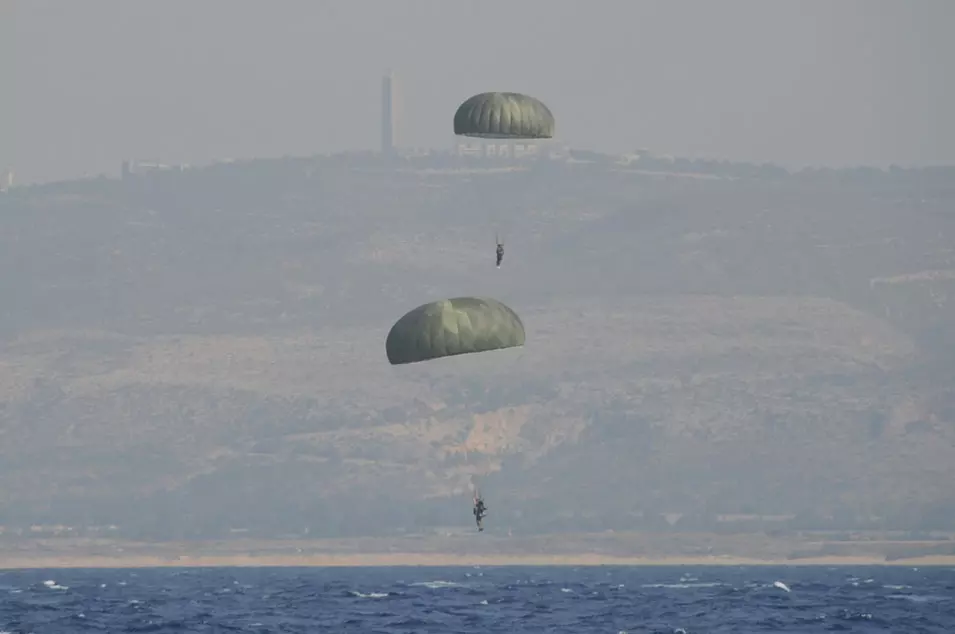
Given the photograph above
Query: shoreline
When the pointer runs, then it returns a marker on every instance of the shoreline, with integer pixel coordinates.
(25, 562)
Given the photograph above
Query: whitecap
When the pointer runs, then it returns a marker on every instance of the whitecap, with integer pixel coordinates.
(682, 586)
(370, 595)
(436, 584)
(781, 586)
(917, 598)
(53, 585)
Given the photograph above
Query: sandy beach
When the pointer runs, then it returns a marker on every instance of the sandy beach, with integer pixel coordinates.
(437, 559)
(580, 549)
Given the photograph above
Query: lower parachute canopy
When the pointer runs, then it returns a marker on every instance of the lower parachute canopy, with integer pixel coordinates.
(449, 327)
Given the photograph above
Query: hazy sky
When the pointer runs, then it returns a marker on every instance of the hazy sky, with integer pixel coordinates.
(795, 82)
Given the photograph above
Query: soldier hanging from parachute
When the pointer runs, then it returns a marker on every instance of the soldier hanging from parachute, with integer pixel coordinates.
(480, 510)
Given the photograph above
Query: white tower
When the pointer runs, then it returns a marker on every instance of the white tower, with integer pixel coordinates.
(388, 115)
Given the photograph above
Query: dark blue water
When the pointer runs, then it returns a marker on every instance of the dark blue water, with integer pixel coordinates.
(485, 600)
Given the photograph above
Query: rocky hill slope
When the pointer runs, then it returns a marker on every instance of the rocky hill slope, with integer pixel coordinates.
(199, 352)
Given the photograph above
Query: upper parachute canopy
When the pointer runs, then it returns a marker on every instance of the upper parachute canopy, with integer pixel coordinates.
(504, 115)
(449, 327)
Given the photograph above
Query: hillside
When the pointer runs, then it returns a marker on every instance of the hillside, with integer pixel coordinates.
(189, 353)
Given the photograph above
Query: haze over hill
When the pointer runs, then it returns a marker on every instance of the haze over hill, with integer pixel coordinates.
(186, 353)
(91, 83)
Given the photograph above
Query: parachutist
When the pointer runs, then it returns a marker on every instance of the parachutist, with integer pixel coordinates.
(500, 254)
(480, 510)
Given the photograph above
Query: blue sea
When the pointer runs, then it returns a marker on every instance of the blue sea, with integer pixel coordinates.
(672, 600)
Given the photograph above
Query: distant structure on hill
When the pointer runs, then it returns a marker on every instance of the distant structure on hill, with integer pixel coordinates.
(388, 114)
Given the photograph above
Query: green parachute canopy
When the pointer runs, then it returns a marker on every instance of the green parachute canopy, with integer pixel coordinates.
(449, 327)
(504, 115)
